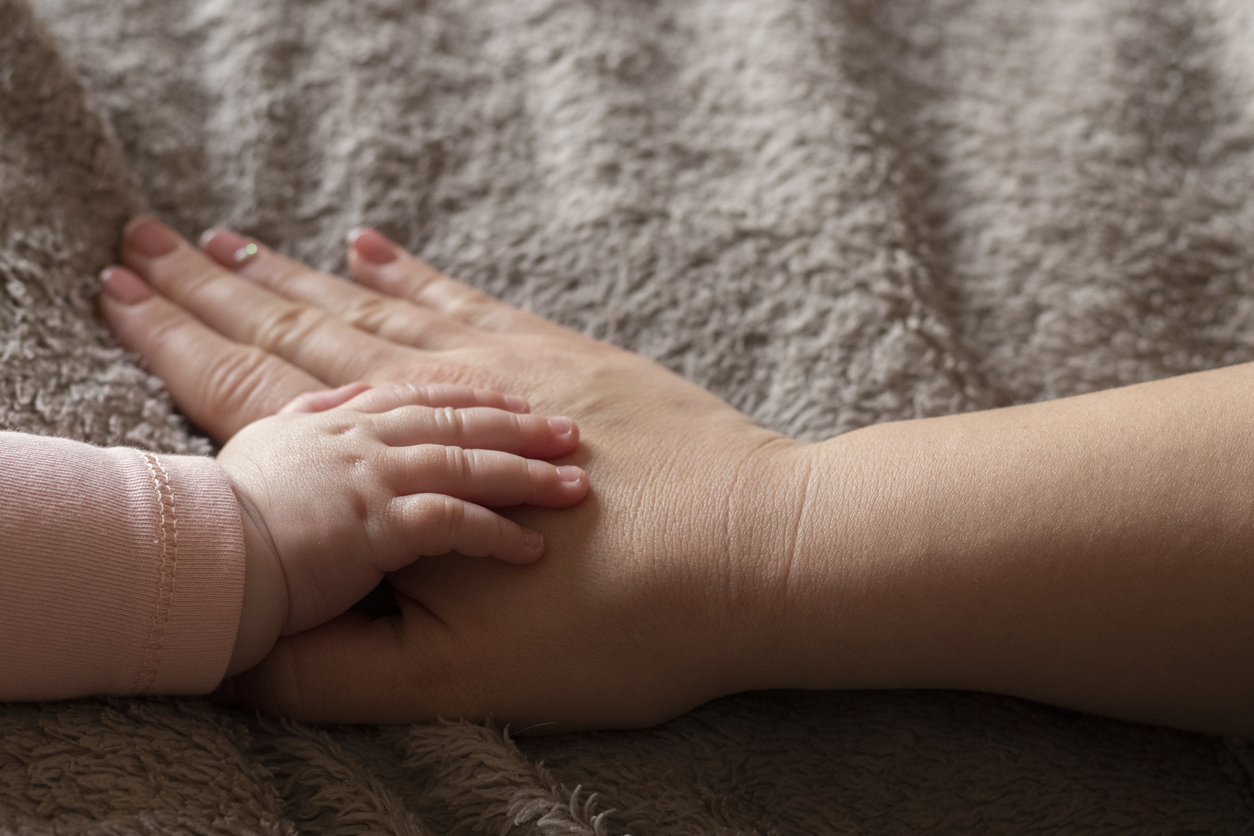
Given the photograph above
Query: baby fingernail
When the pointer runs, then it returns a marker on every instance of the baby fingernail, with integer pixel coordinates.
(124, 286)
(150, 237)
(228, 248)
(372, 246)
(561, 426)
(569, 473)
(533, 540)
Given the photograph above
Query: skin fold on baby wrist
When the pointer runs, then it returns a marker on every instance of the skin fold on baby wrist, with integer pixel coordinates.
(265, 592)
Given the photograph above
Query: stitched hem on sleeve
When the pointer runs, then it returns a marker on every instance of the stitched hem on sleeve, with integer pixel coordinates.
(168, 535)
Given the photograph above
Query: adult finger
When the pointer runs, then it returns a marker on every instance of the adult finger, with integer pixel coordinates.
(368, 310)
(377, 263)
(534, 436)
(486, 477)
(219, 384)
(308, 337)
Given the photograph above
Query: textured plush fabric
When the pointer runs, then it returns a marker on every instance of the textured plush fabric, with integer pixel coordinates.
(830, 212)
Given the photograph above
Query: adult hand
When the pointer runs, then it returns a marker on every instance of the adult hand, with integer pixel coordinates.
(1091, 552)
(663, 589)
(345, 485)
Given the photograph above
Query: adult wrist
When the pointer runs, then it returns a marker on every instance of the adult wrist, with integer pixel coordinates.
(766, 509)
(835, 562)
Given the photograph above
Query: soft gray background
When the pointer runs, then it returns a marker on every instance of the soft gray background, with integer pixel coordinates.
(831, 213)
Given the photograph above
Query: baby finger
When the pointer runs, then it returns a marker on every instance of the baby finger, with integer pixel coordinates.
(324, 399)
(479, 428)
(443, 524)
(488, 477)
(385, 397)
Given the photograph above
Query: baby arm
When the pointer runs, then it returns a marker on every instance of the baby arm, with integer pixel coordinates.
(344, 486)
(121, 570)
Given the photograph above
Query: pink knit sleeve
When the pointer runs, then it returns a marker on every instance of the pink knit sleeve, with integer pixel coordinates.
(121, 571)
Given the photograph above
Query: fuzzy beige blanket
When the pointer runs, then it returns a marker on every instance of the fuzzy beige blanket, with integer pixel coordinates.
(829, 212)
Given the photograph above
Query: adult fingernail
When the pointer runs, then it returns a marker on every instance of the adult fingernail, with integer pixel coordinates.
(561, 426)
(149, 237)
(372, 246)
(124, 286)
(516, 404)
(569, 473)
(533, 539)
(228, 248)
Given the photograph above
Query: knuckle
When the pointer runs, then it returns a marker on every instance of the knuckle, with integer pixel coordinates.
(288, 326)
(371, 313)
(438, 517)
(342, 428)
(384, 520)
(233, 379)
(164, 334)
(454, 518)
(460, 462)
(425, 285)
(472, 307)
(450, 423)
(199, 285)
(424, 395)
(390, 395)
(406, 393)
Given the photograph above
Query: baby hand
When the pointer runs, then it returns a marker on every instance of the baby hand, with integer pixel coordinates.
(333, 499)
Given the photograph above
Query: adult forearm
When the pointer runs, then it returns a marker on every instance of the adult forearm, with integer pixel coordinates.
(1093, 552)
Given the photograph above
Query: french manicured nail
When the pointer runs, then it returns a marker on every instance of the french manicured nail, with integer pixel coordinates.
(561, 425)
(533, 539)
(150, 237)
(124, 286)
(228, 248)
(516, 404)
(372, 246)
(569, 473)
